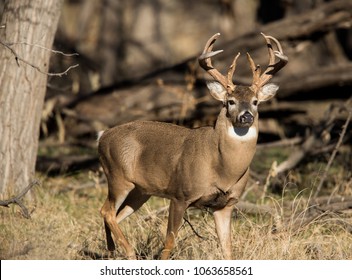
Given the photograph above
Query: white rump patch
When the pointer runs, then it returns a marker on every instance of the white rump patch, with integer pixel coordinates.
(99, 134)
(243, 134)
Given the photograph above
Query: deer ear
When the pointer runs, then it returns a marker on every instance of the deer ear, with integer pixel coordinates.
(267, 92)
(217, 90)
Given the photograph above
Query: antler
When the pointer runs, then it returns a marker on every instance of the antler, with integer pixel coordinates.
(205, 62)
(260, 80)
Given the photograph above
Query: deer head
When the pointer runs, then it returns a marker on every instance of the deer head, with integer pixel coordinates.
(242, 102)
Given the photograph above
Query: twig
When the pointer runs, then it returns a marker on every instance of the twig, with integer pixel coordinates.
(272, 173)
(44, 48)
(11, 50)
(16, 199)
(19, 58)
(332, 157)
(195, 232)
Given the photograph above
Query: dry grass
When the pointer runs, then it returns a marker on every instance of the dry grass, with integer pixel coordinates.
(67, 225)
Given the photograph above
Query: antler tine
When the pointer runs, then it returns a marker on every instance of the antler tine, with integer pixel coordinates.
(209, 45)
(272, 67)
(205, 61)
(230, 73)
(279, 53)
(256, 70)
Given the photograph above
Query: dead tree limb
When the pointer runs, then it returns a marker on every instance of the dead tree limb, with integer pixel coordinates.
(332, 204)
(60, 164)
(281, 143)
(335, 207)
(332, 157)
(328, 76)
(296, 156)
(328, 16)
(251, 208)
(322, 200)
(17, 199)
(314, 141)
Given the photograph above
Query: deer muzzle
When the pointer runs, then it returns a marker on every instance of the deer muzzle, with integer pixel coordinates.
(245, 119)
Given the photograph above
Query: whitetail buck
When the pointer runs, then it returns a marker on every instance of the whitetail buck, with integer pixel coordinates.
(203, 167)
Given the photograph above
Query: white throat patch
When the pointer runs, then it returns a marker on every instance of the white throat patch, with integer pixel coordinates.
(243, 134)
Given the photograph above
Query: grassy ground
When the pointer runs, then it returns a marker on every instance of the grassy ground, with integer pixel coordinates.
(65, 221)
(65, 224)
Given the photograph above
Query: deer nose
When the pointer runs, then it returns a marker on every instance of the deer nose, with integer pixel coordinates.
(246, 117)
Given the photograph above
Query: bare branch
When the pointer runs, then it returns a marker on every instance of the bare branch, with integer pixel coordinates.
(17, 199)
(44, 48)
(61, 73)
(19, 58)
(11, 50)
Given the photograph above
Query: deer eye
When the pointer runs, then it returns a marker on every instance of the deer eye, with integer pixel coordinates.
(255, 102)
(231, 102)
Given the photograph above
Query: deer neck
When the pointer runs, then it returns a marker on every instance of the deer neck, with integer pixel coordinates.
(236, 145)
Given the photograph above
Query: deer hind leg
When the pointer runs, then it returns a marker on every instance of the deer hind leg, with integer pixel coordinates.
(133, 202)
(176, 211)
(111, 207)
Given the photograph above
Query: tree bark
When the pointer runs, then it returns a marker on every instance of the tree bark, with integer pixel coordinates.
(27, 28)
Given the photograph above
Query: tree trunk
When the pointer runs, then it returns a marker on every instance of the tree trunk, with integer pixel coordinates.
(27, 28)
(112, 42)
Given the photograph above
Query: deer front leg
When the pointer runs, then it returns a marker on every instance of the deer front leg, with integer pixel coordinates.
(176, 211)
(222, 219)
